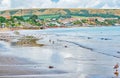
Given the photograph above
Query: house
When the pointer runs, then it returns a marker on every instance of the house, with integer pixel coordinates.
(56, 23)
(100, 19)
(3, 25)
(68, 24)
(68, 20)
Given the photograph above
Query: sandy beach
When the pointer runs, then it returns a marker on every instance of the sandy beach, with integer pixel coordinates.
(76, 53)
(10, 65)
(4, 29)
(13, 67)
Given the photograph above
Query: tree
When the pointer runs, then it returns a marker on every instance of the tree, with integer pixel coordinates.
(34, 17)
(2, 19)
(111, 22)
(77, 22)
(13, 24)
(84, 20)
(52, 24)
(20, 18)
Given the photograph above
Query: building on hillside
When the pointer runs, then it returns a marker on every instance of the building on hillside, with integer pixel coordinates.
(68, 24)
(3, 25)
(55, 23)
(100, 19)
(111, 18)
(8, 17)
(68, 20)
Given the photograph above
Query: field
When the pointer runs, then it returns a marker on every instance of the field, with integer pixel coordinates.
(48, 13)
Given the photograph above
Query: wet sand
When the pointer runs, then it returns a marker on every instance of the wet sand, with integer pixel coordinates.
(90, 63)
(10, 65)
(14, 67)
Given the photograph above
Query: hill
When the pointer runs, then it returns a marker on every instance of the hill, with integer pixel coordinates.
(56, 12)
(58, 17)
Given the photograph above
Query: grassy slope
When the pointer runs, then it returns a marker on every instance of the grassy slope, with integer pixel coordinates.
(58, 11)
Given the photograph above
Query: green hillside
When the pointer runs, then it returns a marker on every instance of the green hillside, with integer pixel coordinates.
(53, 12)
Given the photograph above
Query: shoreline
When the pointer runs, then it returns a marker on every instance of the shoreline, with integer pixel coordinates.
(13, 29)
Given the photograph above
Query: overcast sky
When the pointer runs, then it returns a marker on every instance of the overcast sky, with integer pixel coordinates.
(13, 4)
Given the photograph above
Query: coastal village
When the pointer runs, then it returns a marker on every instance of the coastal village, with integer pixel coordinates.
(43, 18)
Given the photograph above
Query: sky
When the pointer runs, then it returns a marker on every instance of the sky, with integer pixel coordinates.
(18, 4)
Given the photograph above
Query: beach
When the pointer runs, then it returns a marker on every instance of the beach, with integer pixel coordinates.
(23, 66)
(86, 52)
(14, 67)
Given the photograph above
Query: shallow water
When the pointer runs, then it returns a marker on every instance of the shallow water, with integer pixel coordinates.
(91, 51)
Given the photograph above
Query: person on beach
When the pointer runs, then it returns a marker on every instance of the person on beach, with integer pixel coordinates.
(50, 41)
(116, 70)
(53, 42)
(116, 73)
(116, 66)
